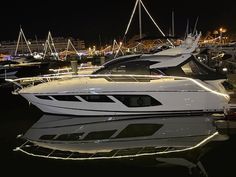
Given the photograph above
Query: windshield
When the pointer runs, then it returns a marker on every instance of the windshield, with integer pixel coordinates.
(134, 67)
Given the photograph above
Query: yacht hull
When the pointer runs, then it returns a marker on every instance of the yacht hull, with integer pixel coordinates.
(171, 104)
(97, 96)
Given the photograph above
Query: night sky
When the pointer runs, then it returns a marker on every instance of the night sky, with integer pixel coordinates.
(89, 19)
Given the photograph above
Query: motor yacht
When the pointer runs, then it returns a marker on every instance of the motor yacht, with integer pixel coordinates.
(170, 83)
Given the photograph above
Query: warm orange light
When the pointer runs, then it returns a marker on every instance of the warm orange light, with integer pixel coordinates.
(222, 30)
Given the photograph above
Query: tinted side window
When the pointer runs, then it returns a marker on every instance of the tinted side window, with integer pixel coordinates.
(132, 67)
(47, 137)
(65, 98)
(69, 137)
(43, 97)
(140, 68)
(137, 100)
(99, 135)
(138, 130)
(191, 68)
(96, 98)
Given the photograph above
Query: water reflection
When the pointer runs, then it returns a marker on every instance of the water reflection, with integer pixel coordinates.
(179, 141)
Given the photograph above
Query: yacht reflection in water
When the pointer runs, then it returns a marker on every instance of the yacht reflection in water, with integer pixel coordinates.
(173, 140)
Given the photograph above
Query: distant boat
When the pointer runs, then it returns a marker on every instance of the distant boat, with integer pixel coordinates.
(19, 68)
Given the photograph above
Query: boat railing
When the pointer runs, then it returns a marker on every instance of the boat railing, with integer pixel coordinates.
(68, 70)
(31, 81)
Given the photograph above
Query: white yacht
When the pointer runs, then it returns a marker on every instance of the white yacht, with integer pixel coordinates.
(169, 83)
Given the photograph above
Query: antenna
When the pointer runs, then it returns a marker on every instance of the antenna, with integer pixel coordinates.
(100, 41)
(37, 43)
(187, 29)
(195, 26)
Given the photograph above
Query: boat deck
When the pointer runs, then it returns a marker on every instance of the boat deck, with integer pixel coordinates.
(232, 80)
(232, 98)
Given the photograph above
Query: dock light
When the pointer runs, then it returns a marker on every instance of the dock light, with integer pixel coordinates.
(222, 30)
(19, 136)
(225, 69)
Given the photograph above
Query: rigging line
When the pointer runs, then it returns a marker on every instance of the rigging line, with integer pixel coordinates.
(53, 45)
(22, 37)
(67, 48)
(131, 18)
(26, 41)
(18, 41)
(74, 47)
(155, 23)
(119, 50)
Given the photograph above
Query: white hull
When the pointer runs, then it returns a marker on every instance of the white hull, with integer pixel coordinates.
(170, 97)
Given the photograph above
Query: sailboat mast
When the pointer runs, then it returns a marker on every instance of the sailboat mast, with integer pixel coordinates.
(173, 23)
(140, 20)
(18, 42)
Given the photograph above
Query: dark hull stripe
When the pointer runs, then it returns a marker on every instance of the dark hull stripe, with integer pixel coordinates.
(130, 118)
(117, 141)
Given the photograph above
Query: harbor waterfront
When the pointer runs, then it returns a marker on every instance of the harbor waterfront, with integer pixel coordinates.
(133, 88)
(174, 113)
(17, 118)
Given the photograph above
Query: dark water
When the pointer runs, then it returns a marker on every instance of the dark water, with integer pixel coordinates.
(17, 117)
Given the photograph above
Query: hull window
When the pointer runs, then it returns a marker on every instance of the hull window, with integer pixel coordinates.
(139, 130)
(43, 97)
(47, 137)
(137, 100)
(69, 137)
(99, 135)
(96, 98)
(65, 98)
